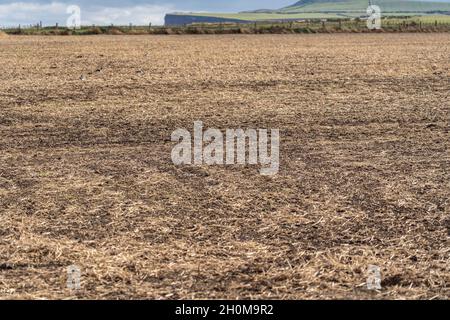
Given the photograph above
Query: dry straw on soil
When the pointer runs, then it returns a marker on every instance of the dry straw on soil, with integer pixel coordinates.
(3, 35)
(86, 176)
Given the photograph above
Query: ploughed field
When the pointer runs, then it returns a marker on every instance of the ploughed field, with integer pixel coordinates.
(86, 176)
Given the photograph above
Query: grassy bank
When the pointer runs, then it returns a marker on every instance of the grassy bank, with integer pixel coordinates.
(396, 24)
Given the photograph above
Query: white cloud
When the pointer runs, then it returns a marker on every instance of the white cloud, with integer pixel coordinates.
(31, 13)
(138, 15)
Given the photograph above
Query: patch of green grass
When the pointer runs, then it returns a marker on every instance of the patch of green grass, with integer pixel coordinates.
(266, 16)
(433, 18)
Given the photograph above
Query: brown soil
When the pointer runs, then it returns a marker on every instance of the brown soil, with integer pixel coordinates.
(86, 176)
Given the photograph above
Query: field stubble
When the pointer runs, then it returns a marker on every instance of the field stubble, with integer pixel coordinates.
(86, 176)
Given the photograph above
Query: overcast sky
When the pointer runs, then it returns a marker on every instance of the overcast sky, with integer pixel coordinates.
(120, 11)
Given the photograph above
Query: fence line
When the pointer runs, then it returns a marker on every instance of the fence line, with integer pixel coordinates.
(316, 25)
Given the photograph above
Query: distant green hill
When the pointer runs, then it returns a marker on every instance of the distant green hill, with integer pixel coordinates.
(359, 5)
(316, 9)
